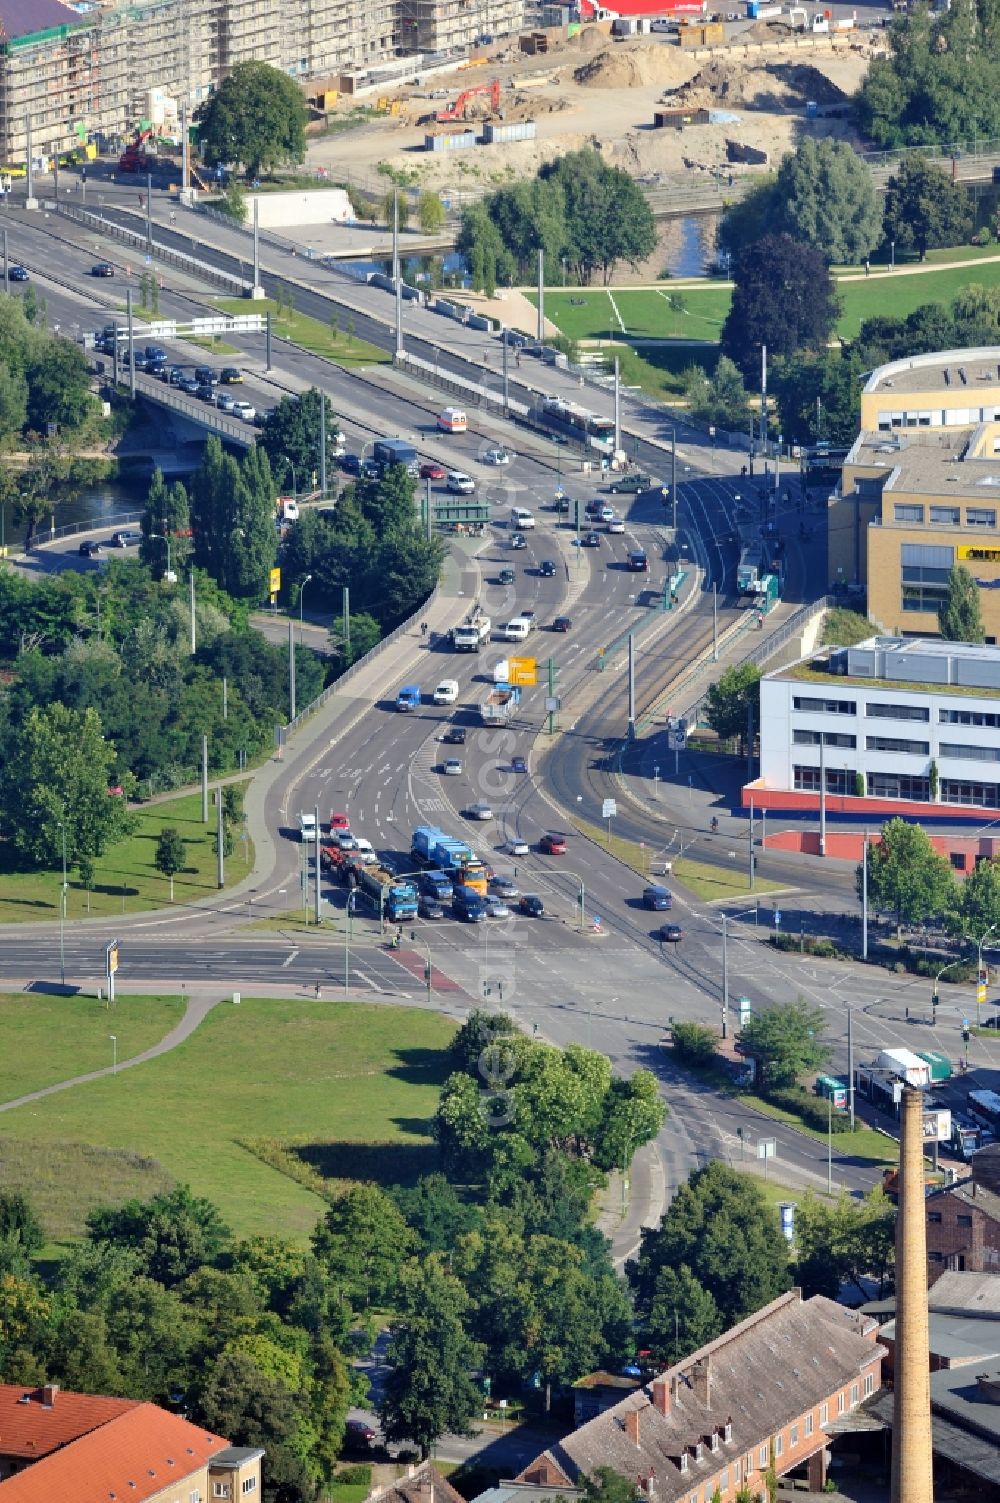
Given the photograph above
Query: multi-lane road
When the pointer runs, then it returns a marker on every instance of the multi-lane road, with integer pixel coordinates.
(615, 988)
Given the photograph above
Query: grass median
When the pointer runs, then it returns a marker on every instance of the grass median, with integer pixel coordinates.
(703, 878)
(335, 340)
(126, 879)
(262, 1107)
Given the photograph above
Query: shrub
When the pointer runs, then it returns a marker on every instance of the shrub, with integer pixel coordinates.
(810, 1109)
(694, 1043)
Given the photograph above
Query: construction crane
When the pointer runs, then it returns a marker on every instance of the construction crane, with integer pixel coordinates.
(457, 110)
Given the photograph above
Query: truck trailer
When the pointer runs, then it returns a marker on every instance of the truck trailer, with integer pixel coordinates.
(394, 897)
(433, 848)
(906, 1065)
(500, 705)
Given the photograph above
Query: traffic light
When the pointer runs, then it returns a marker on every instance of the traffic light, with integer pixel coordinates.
(966, 1035)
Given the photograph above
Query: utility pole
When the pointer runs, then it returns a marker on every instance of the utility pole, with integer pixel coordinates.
(257, 290)
(220, 840)
(185, 152)
(267, 340)
(204, 780)
(850, 1063)
(347, 610)
(31, 202)
(225, 697)
(822, 793)
(6, 265)
(618, 405)
(715, 622)
(673, 475)
(316, 912)
(864, 897)
(541, 296)
(194, 628)
(131, 341)
(631, 686)
(551, 666)
(291, 670)
(396, 273)
(428, 514)
(149, 215)
(725, 977)
(322, 444)
(505, 357)
(114, 358)
(763, 400)
(752, 874)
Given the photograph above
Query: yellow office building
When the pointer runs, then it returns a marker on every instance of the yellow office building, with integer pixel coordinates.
(921, 490)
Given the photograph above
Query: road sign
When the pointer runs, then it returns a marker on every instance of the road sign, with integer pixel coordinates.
(552, 703)
(767, 1148)
(274, 581)
(677, 738)
(523, 671)
(777, 918)
(609, 808)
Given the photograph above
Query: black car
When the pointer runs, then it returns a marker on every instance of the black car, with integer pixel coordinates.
(205, 392)
(18, 274)
(454, 735)
(205, 375)
(562, 623)
(638, 563)
(102, 269)
(561, 505)
(670, 934)
(547, 569)
(230, 375)
(176, 375)
(156, 353)
(531, 905)
(89, 549)
(505, 577)
(429, 908)
(592, 540)
(504, 887)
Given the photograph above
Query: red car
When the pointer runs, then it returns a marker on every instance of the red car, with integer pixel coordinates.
(339, 822)
(553, 844)
(431, 471)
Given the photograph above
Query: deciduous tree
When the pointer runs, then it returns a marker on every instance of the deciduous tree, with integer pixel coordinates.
(173, 1233)
(734, 702)
(786, 1042)
(906, 876)
(783, 297)
(170, 855)
(256, 117)
(826, 197)
(924, 208)
(959, 617)
(682, 1317)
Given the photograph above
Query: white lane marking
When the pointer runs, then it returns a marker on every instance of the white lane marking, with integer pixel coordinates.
(288, 960)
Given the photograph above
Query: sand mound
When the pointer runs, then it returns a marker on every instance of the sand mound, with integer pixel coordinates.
(773, 86)
(588, 39)
(641, 67)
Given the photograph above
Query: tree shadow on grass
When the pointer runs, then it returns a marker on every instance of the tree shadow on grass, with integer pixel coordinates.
(384, 1163)
(420, 1067)
(31, 903)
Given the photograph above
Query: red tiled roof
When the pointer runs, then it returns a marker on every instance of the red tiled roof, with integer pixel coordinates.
(132, 1456)
(35, 1428)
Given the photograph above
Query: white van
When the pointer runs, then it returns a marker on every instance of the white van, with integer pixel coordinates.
(515, 631)
(521, 520)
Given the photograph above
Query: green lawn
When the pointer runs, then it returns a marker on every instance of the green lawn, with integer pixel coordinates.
(319, 338)
(896, 296)
(126, 880)
(351, 1087)
(47, 1039)
(709, 881)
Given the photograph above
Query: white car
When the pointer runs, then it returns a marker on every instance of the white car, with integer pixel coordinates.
(616, 525)
(479, 811)
(225, 401)
(496, 456)
(459, 483)
(365, 851)
(452, 767)
(245, 410)
(517, 848)
(446, 692)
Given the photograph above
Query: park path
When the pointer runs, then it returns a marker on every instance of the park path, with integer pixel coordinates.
(195, 1013)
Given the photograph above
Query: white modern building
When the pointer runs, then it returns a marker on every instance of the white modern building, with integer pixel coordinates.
(894, 725)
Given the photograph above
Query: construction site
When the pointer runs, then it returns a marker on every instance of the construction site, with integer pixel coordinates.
(750, 100)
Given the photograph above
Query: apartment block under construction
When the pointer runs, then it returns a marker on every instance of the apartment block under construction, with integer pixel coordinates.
(97, 67)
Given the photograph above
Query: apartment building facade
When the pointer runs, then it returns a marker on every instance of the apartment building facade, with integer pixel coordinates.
(771, 1390)
(79, 73)
(920, 489)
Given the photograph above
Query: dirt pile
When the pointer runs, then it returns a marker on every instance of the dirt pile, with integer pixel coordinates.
(771, 86)
(641, 67)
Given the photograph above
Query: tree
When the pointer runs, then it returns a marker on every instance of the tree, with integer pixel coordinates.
(748, 218)
(606, 216)
(59, 771)
(606, 1486)
(720, 398)
(20, 1228)
(847, 1242)
(256, 117)
(818, 395)
(924, 208)
(826, 198)
(365, 635)
(363, 1241)
(291, 437)
(232, 507)
(733, 702)
(170, 856)
(682, 1316)
(694, 1043)
(720, 1227)
(906, 876)
(252, 1408)
(173, 1233)
(430, 213)
(166, 518)
(783, 297)
(395, 209)
(959, 616)
(785, 1041)
(58, 386)
(633, 1113)
(429, 1389)
(978, 909)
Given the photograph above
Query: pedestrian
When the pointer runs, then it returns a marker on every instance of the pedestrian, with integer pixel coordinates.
(319, 990)
(423, 628)
(868, 267)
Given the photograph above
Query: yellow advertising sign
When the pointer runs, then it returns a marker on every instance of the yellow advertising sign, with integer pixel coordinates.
(274, 581)
(976, 555)
(980, 994)
(112, 954)
(523, 671)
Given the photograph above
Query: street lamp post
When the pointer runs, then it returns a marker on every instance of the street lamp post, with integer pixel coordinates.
(348, 936)
(62, 909)
(725, 966)
(164, 539)
(979, 969)
(581, 896)
(934, 994)
(302, 591)
(295, 483)
(114, 1052)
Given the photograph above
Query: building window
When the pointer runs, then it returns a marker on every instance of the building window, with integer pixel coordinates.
(779, 1444)
(841, 1406)
(828, 738)
(762, 1456)
(824, 1414)
(724, 1480)
(793, 1436)
(964, 1220)
(825, 706)
(869, 1385)
(980, 516)
(220, 1489)
(808, 1424)
(897, 744)
(935, 1257)
(969, 717)
(839, 780)
(854, 1394)
(985, 795)
(970, 753)
(876, 711)
(898, 785)
(935, 1217)
(946, 516)
(907, 513)
(249, 1485)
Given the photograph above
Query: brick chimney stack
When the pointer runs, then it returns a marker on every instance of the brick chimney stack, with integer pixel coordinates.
(701, 1381)
(632, 1425)
(912, 1480)
(661, 1395)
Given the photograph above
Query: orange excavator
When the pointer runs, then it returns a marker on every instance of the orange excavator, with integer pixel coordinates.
(456, 111)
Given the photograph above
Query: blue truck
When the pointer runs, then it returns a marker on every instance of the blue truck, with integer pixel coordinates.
(408, 697)
(433, 848)
(390, 451)
(394, 897)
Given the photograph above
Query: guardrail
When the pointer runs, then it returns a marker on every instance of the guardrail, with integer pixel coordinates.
(177, 259)
(199, 412)
(93, 524)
